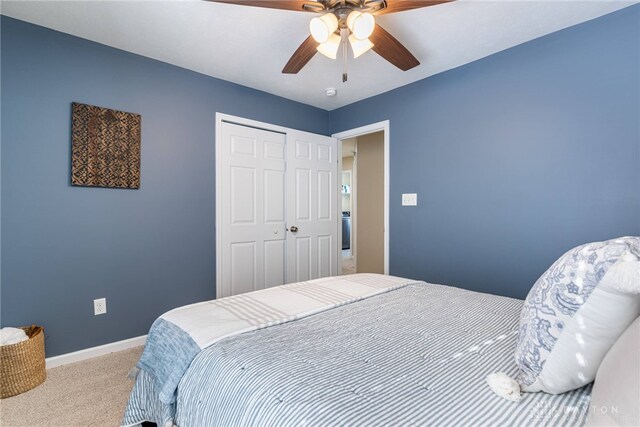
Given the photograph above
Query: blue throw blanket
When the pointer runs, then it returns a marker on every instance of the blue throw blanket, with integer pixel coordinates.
(167, 354)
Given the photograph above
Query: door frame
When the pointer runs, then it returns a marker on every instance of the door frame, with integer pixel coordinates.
(383, 126)
(228, 118)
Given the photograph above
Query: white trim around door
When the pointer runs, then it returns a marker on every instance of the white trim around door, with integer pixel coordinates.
(365, 130)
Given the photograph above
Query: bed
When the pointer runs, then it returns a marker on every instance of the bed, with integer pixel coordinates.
(404, 353)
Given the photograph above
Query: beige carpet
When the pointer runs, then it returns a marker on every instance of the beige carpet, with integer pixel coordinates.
(89, 393)
(348, 266)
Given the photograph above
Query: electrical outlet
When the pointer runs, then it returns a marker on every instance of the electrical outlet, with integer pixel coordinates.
(410, 199)
(99, 306)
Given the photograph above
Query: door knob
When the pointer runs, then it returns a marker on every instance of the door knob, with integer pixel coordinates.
(293, 229)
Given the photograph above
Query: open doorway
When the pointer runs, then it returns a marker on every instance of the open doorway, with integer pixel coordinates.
(348, 204)
(364, 199)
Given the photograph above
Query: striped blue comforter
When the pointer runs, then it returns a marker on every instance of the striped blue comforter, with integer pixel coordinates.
(417, 355)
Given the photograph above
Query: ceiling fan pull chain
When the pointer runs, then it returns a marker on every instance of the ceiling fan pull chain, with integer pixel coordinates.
(345, 53)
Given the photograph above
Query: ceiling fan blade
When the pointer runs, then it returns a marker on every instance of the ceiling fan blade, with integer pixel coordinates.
(297, 5)
(394, 6)
(385, 45)
(301, 56)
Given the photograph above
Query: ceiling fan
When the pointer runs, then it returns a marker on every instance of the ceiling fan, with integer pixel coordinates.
(344, 23)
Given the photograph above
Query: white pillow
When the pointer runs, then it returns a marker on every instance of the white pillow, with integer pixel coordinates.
(575, 312)
(615, 399)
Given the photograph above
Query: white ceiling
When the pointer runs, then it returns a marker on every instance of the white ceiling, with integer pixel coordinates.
(249, 45)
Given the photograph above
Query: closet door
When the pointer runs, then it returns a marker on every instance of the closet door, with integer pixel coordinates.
(253, 214)
(312, 221)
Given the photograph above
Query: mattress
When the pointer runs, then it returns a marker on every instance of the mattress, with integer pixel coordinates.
(417, 355)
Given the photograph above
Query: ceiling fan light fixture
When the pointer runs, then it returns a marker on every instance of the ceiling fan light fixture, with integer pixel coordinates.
(359, 46)
(323, 27)
(351, 17)
(361, 24)
(330, 47)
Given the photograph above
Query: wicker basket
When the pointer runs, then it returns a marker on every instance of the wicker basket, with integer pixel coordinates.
(22, 365)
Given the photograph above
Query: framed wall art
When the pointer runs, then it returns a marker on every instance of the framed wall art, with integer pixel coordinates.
(105, 147)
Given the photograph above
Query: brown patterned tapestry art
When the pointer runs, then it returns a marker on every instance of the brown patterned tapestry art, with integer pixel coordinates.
(105, 147)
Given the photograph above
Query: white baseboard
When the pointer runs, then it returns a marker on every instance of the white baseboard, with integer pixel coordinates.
(89, 353)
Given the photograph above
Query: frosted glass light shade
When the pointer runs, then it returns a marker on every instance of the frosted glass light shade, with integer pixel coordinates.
(322, 27)
(359, 46)
(330, 47)
(361, 24)
(352, 16)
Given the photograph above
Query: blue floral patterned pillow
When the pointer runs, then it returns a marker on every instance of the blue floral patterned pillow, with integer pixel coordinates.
(575, 312)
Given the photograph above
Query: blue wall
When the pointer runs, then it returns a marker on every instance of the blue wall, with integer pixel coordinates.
(145, 250)
(516, 158)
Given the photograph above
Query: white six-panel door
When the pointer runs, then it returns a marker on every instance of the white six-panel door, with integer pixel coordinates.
(253, 183)
(312, 172)
(270, 184)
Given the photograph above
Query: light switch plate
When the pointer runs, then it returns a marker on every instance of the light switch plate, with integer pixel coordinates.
(410, 199)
